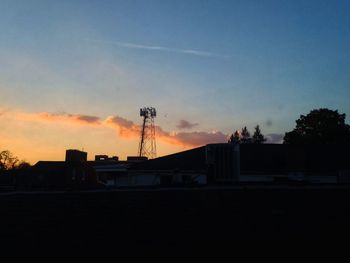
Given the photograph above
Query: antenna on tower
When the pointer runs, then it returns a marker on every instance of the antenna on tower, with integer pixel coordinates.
(147, 146)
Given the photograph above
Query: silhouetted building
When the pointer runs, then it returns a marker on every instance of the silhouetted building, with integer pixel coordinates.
(106, 158)
(285, 159)
(255, 163)
(113, 175)
(174, 169)
(76, 156)
(223, 162)
(56, 175)
(136, 159)
(213, 163)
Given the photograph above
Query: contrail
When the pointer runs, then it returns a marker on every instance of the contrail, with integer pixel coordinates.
(193, 52)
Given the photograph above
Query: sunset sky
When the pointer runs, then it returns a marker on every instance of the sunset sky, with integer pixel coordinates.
(74, 74)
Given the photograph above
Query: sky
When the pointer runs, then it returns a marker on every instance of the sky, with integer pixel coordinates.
(74, 74)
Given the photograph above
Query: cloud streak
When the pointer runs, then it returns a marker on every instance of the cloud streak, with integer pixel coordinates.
(59, 118)
(78, 118)
(193, 52)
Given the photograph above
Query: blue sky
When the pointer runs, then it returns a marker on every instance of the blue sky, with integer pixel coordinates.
(221, 64)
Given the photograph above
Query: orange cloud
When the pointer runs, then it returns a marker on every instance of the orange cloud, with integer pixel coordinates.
(129, 129)
(125, 128)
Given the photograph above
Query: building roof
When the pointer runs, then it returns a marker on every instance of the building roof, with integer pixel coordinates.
(193, 159)
(51, 165)
(59, 165)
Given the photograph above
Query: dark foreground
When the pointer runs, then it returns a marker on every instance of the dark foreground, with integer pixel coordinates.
(163, 219)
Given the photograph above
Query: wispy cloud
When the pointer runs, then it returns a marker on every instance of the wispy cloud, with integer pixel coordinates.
(183, 124)
(193, 52)
(79, 119)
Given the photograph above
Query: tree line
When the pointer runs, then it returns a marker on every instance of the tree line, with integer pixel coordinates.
(319, 126)
(244, 136)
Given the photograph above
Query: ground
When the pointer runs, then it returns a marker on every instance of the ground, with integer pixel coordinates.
(173, 218)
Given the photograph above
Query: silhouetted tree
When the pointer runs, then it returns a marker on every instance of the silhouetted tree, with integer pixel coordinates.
(231, 139)
(322, 126)
(245, 136)
(258, 137)
(7, 160)
(234, 138)
(23, 165)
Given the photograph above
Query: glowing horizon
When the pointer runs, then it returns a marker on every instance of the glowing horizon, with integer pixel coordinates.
(123, 129)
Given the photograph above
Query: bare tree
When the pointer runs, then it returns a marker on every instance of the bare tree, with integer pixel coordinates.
(7, 160)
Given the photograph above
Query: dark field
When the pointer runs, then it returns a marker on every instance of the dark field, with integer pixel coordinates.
(175, 218)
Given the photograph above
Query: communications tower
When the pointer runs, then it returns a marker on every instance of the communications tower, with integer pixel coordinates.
(147, 146)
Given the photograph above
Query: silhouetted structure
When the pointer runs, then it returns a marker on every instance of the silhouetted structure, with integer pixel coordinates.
(74, 173)
(147, 146)
(76, 156)
(136, 159)
(63, 175)
(106, 158)
(291, 163)
(258, 163)
(212, 164)
(109, 172)
(223, 162)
